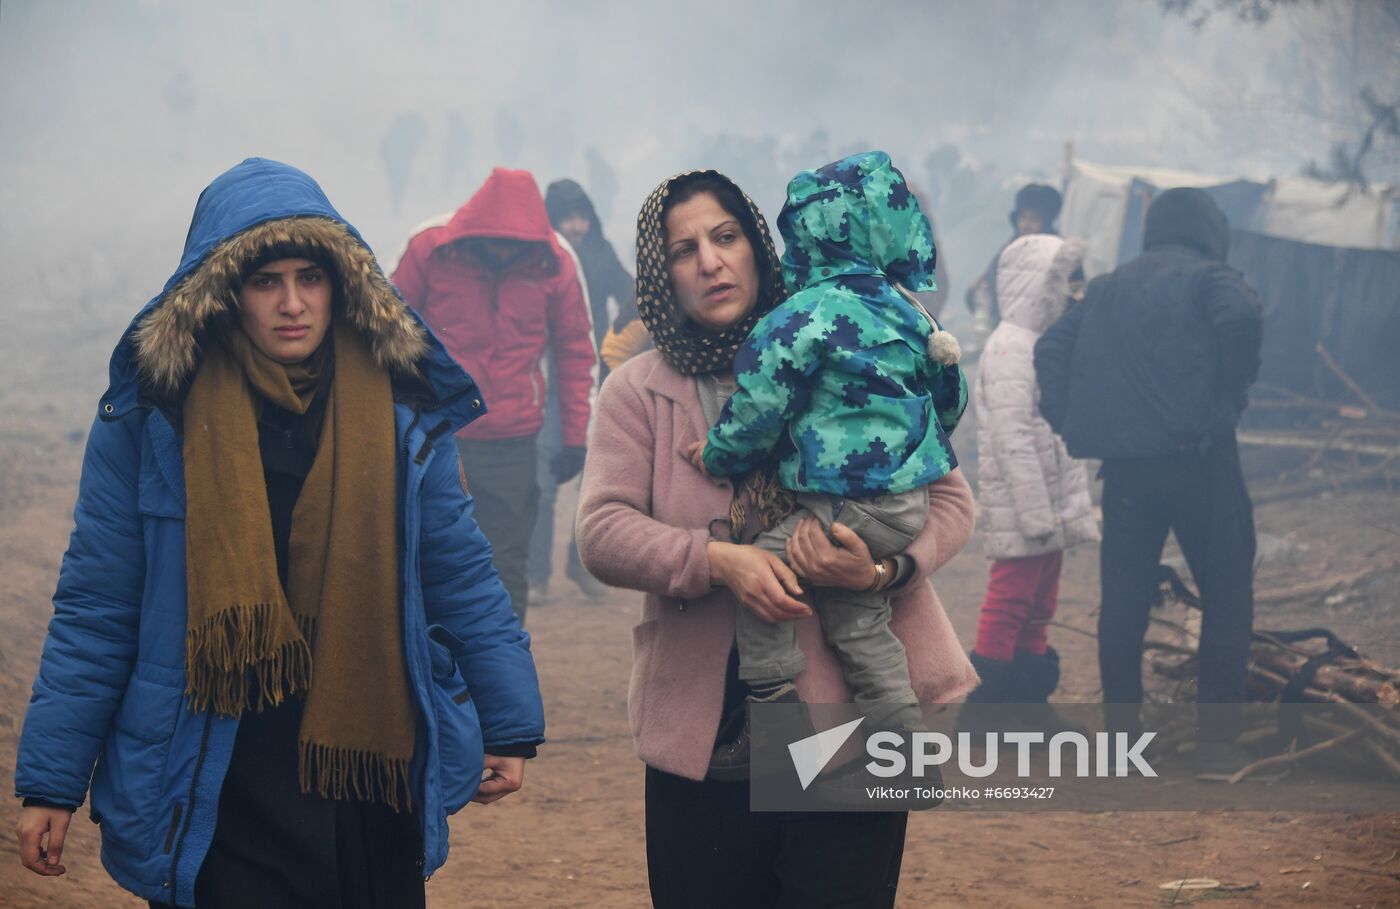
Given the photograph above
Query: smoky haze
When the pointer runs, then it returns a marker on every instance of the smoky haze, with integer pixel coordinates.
(115, 114)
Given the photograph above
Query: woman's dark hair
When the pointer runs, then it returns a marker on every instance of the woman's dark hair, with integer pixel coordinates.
(732, 201)
(290, 250)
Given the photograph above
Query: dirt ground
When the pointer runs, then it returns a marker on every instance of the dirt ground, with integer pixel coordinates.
(573, 837)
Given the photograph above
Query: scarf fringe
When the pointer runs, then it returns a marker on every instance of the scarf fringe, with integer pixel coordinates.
(770, 501)
(233, 661)
(334, 772)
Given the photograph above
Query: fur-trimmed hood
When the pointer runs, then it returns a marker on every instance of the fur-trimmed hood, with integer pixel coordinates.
(251, 208)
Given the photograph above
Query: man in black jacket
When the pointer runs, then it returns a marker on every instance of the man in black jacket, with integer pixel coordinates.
(1150, 374)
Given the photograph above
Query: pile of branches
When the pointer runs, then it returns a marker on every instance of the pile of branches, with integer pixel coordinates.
(1309, 666)
(1346, 444)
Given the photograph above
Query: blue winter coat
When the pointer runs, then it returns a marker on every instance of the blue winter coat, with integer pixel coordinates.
(111, 683)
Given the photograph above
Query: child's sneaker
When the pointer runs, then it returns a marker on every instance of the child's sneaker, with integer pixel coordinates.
(730, 761)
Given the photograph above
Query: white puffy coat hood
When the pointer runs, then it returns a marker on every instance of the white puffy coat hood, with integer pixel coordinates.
(1033, 279)
(1033, 496)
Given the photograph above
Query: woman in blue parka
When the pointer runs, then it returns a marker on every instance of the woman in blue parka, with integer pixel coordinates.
(277, 632)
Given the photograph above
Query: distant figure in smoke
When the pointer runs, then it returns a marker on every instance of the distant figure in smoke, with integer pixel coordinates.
(620, 337)
(398, 151)
(605, 281)
(1151, 374)
(934, 301)
(627, 337)
(456, 156)
(603, 180)
(1033, 498)
(275, 599)
(1034, 212)
(571, 212)
(504, 292)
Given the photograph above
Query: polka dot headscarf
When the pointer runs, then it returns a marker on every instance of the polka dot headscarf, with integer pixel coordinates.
(691, 349)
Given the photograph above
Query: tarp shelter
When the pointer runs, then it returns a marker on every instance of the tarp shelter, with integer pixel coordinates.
(1322, 256)
(1106, 205)
(1348, 299)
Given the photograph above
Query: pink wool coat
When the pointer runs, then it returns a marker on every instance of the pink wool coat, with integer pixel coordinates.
(643, 522)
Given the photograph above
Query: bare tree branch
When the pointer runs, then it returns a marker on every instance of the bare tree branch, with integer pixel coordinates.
(1198, 12)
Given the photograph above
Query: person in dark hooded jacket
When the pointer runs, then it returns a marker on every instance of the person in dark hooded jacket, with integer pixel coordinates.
(1150, 374)
(276, 601)
(623, 336)
(604, 278)
(571, 212)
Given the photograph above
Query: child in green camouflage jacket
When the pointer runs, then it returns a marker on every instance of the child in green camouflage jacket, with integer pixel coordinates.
(853, 388)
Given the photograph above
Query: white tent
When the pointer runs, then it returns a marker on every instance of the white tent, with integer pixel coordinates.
(1099, 200)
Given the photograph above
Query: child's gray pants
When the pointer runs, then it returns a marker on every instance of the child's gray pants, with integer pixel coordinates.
(855, 624)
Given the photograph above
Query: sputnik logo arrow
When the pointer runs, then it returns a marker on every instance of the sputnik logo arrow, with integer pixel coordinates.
(811, 755)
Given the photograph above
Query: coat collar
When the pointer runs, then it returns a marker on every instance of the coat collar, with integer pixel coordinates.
(661, 378)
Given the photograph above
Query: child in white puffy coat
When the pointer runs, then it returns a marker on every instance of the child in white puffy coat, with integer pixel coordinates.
(1033, 497)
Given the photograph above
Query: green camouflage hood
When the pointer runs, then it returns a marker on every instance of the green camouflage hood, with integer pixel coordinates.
(842, 382)
(853, 217)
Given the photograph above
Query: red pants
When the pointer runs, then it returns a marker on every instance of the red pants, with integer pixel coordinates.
(1021, 596)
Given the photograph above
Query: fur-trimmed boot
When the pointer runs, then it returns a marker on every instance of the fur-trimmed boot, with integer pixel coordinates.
(1037, 676)
(998, 687)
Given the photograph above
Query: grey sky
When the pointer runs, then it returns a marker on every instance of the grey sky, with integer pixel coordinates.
(115, 114)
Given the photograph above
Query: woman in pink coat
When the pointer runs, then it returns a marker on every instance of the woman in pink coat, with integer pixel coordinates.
(649, 520)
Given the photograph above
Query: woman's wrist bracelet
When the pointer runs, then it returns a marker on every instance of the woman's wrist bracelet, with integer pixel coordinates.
(880, 575)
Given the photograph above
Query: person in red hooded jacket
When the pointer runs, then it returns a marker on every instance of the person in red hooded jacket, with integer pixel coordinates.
(500, 289)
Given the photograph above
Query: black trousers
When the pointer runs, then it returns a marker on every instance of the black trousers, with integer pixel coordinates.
(501, 478)
(1203, 500)
(277, 848)
(705, 849)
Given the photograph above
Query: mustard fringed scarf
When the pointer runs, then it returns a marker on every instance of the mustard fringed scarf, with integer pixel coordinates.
(335, 635)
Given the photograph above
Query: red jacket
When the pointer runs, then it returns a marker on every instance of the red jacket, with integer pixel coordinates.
(499, 322)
